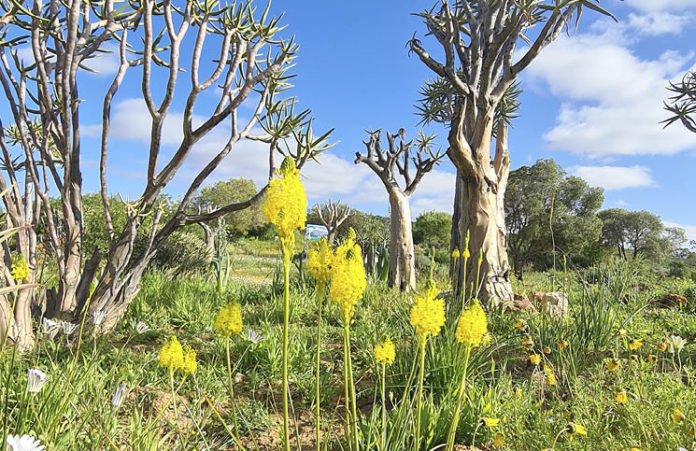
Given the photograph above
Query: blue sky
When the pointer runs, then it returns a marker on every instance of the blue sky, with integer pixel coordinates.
(592, 101)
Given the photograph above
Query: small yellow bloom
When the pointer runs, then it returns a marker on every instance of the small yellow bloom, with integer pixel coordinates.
(535, 359)
(549, 375)
(635, 344)
(613, 365)
(652, 358)
(623, 333)
(189, 366)
(546, 350)
(490, 422)
(576, 429)
(662, 347)
(487, 337)
(634, 449)
(384, 352)
(562, 345)
(677, 415)
(499, 440)
(20, 268)
(229, 320)
(621, 397)
(473, 325)
(517, 393)
(428, 314)
(455, 253)
(527, 342)
(172, 354)
(521, 325)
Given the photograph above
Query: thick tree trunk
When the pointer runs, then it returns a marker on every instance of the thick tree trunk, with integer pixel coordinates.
(402, 261)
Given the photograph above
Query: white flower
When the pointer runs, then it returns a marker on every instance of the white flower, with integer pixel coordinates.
(23, 443)
(254, 337)
(68, 328)
(98, 317)
(49, 328)
(35, 380)
(141, 327)
(677, 343)
(119, 394)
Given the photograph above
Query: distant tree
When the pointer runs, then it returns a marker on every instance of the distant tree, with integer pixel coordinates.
(683, 103)
(225, 192)
(531, 194)
(368, 227)
(400, 158)
(633, 233)
(332, 215)
(433, 229)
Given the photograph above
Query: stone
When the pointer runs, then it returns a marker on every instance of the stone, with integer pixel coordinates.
(555, 304)
(520, 303)
(670, 300)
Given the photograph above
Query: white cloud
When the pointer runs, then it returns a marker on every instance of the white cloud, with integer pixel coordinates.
(613, 100)
(661, 5)
(658, 23)
(104, 63)
(614, 177)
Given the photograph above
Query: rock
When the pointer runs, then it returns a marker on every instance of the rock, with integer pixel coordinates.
(555, 303)
(536, 296)
(670, 301)
(521, 303)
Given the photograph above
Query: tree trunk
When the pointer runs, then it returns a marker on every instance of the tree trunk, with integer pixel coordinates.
(402, 262)
(331, 235)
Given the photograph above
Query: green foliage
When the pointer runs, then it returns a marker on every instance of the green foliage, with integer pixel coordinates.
(432, 229)
(634, 234)
(226, 192)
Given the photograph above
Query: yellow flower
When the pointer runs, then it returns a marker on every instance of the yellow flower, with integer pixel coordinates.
(635, 344)
(517, 393)
(521, 325)
(384, 352)
(527, 342)
(662, 347)
(455, 253)
(652, 358)
(490, 422)
(319, 262)
(549, 375)
(623, 333)
(466, 253)
(634, 449)
(562, 345)
(621, 397)
(428, 314)
(546, 350)
(576, 429)
(20, 268)
(347, 277)
(286, 202)
(172, 355)
(189, 366)
(677, 415)
(499, 440)
(229, 320)
(487, 337)
(535, 359)
(613, 365)
(473, 325)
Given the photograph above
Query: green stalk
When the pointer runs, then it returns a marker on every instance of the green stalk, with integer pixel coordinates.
(230, 384)
(352, 389)
(460, 398)
(286, 323)
(348, 434)
(384, 408)
(419, 404)
(318, 368)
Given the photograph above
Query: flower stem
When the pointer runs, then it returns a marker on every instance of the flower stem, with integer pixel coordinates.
(352, 389)
(231, 384)
(460, 398)
(348, 434)
(318, 368)
(384, 408)
(419, 402)
(286, 322)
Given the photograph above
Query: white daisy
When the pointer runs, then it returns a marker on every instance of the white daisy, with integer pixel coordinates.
(23, 443)
(35, 380)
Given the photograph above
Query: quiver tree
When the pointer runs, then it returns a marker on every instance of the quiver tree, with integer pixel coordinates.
(157, 43)
(683, 103)
(400, 159)
(332, 215)
(481, 61)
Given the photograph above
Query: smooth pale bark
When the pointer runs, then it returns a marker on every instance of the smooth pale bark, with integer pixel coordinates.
(402, 261)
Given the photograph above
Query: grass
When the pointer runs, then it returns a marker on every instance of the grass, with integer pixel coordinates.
(74, 410)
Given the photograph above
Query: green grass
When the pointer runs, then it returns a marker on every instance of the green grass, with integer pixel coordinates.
(74, 411)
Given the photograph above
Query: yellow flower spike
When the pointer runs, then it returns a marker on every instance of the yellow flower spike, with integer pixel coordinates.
(19, 268)
(490, 422)
(562, 345)
(621, 397)
(652, 358)
(189, 366)
(286, 202)
(428, 313)
(635, 344)
(473, 325)
(455, 253)
(549, 375)
(172, 354)
(499, 440)
(535, 359)
(384, 352)
(348, 280)
(677, 415)
(613, 365)
(229, 320)
(320, 259)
